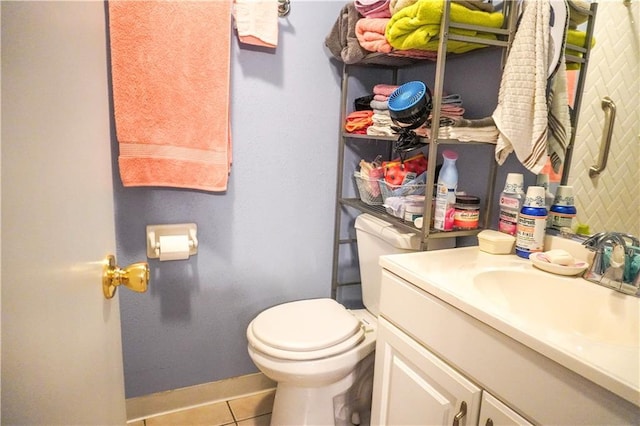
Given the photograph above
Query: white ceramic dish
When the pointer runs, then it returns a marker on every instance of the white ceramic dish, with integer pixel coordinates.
(540, 262)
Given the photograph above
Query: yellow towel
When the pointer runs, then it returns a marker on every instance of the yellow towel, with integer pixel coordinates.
(418, 26)
(170, 66)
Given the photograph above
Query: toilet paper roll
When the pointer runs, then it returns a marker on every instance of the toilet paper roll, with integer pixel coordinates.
(174, 247)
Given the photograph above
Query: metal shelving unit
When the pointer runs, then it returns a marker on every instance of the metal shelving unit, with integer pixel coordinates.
(504, 38)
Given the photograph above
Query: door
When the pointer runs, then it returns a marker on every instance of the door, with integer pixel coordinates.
(412, 386)
(61, 348)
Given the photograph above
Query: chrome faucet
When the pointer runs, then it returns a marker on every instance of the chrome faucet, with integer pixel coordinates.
(611, 273)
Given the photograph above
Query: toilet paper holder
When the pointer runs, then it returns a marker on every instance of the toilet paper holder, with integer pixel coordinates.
(154, 232)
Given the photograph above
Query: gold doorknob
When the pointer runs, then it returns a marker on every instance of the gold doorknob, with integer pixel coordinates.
(135, 277)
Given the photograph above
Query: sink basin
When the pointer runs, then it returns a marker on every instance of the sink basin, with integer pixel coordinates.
(565, 305)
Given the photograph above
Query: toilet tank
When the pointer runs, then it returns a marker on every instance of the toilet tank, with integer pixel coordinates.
(377, 238)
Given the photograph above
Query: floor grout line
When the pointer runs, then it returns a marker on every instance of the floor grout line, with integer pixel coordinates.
(233, 416)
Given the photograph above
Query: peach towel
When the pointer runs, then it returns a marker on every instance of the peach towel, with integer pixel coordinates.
(170, 66)
(257, 22)
(370, 34)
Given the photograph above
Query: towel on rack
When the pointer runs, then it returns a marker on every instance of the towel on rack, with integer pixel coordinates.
(521, 113)
(396, 5)
(373, 8)
(257, 22)
(370, 34)
(559, 120)
(170, 69)
(418, 26)
(342, 41)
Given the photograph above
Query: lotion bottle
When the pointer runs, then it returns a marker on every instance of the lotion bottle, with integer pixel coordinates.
(446, 192)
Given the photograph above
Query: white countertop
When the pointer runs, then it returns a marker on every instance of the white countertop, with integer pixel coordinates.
(449, 275)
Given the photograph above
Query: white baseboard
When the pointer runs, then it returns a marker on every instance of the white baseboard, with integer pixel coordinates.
(142, 407)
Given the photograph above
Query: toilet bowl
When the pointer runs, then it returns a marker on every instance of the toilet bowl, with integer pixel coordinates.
(320, 353)
(313, 359)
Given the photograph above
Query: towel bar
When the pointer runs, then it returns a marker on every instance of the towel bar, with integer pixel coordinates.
(609, 108)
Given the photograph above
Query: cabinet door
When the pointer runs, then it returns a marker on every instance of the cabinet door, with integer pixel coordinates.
(412, 386)
(495, 413)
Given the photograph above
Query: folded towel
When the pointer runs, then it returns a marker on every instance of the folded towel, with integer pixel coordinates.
(415, 53)
(341, 40)
(358, 120)
(370, 34)
(418, 26)
(383, 105)
(377, 130)
(578, 12)
(521, 114)
(373, 8)
(380, 119)
(396, 5)
(384, 89)
(257, 21)
(170, 69)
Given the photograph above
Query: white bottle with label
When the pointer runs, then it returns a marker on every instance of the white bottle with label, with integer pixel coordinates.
(511, 203)
(532, 223)
(543, 180)
(446, 192)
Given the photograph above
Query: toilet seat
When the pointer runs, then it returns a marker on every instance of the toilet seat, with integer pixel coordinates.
(305, 330)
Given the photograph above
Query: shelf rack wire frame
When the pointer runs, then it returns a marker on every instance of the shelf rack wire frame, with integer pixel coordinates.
(579, 90)
(504, 39)
(340, 205)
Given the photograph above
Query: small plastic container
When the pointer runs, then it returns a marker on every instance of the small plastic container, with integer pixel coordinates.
(413, 207)
(467, 212)
(496, 242)
(369, 190)
(388, 190)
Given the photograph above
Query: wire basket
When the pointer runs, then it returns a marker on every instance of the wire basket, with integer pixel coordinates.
(389, 190)
(369, 190)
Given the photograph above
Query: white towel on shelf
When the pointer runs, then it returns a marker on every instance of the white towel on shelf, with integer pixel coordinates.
(521, 114)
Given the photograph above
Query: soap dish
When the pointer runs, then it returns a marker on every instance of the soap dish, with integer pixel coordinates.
(496, 242)
(541, 262)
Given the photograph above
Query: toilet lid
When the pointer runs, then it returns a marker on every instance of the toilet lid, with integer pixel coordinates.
(306, 329)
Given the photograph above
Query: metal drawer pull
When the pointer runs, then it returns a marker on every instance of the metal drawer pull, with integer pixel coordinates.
(609, 108)
(461, 414)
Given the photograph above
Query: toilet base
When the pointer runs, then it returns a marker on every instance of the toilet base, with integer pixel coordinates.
(343, 403)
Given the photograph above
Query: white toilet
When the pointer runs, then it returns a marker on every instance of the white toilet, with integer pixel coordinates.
(321, 354)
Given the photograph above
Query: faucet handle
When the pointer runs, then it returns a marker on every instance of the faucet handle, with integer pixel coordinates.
(593, 241)
(634, 240)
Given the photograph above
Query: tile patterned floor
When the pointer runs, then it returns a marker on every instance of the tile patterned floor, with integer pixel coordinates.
(252, 410)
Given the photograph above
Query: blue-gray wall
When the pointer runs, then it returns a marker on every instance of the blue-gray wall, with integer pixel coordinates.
(268, 239)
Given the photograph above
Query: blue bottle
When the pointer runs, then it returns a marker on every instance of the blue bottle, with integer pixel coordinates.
(563, 209)
(532, 223)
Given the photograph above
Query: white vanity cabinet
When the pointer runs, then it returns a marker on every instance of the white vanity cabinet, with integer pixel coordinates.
(415, 387)
(431, 357)
(494, 413)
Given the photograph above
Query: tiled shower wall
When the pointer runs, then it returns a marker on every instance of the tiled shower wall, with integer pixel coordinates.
(611, 202)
